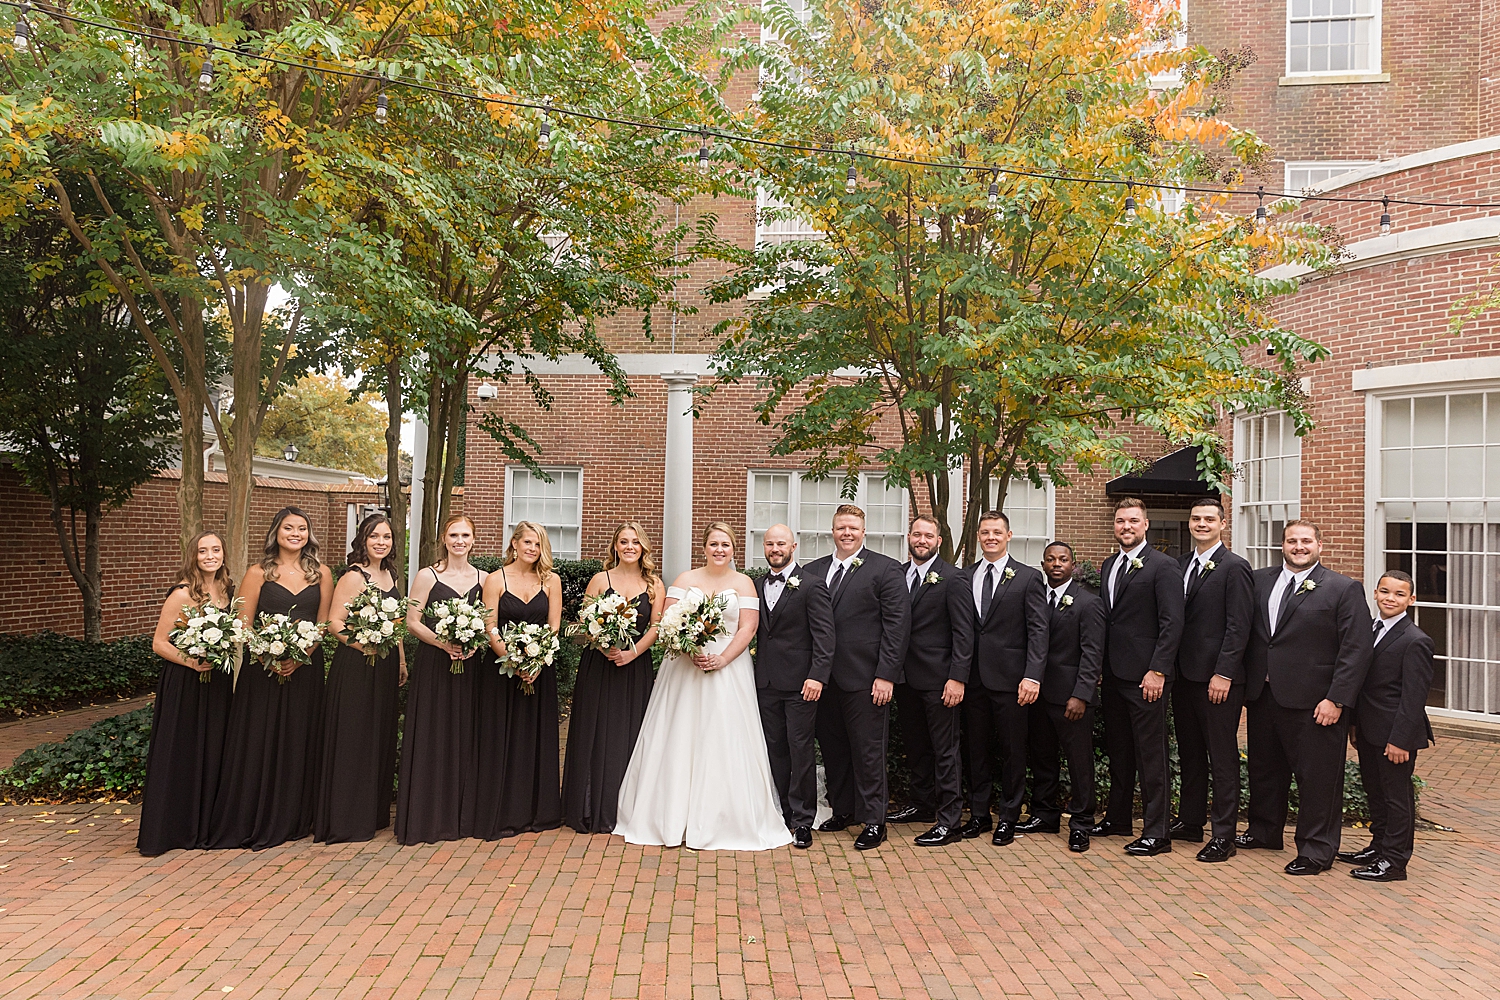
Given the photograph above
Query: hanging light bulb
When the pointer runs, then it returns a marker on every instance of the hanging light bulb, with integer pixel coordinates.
(851, 179)
(703, 164)
(1385, 216)
(22, 41)
(1260, 209)
(206, 76)
(382, 106)
(544, 136)
(994, 197)
(1129, 203)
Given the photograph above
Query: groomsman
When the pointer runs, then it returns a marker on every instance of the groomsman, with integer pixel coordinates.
(1062, 719)
(938, 656)
(1308, 656)
(1390, 726)
(794, 645)
(1209, 689)
(1143, 606)
(870, 614)
(1010, 656)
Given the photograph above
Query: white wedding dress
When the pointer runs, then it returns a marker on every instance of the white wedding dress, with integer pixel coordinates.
(699, 774)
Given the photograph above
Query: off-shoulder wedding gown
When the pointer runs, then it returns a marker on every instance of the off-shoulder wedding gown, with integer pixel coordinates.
(699, 774)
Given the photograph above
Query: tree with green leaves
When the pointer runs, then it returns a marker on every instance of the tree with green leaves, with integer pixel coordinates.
(329, 425)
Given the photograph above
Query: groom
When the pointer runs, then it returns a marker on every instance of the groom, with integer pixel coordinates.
(870, 613)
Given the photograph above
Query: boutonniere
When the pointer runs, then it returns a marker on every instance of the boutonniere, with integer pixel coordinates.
(856, 562)
(1009, 574)
(794, 582)
(1308, 586)
(1066, 602)
(1209, 565)
(1136, 563)
(931, 578)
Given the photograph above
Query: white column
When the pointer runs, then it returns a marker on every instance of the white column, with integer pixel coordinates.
(956, 502)
(414, 512)
(677, 497)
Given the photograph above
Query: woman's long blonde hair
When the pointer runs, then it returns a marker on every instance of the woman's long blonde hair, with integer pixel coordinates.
(199, 584)
(648, 562)
(544, 561)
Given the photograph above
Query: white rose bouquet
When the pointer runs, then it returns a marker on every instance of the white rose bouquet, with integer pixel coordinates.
(376, 622)
(462, 623)
(281, 637)
(693, 622)
(209, 634)
(606, 622)
(529, 648)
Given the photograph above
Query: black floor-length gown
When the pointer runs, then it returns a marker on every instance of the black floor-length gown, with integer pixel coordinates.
(188, 723)
(358, 772)
(435, 796)
(270, 771)
(609, 703)
(518, 767)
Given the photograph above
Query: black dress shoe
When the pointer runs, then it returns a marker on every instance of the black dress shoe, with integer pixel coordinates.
(1245, 842)
(871, 837)
(938, 836)
(1078, 841)
(1145, 847)
(975, 826)
(1304, 866)
(802, 837)
(1217, 849)
(1186, 834)
(911, 814)
(835, 823)
(1005, 833)
(1036, 824)
(1368, 856)
(1380, 870)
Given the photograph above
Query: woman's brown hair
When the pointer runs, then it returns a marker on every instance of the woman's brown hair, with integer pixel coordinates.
(359, 548)
(720, 526)
(648, 562)
(311, 567)
(192, 574)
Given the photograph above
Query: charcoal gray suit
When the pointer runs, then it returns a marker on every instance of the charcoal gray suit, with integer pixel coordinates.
(1392, 708)
(1075, 658)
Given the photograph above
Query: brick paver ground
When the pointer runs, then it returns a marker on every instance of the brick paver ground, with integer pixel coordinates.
(567, 916)
(23, 734)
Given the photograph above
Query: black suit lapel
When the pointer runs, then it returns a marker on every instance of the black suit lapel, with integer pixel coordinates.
(1295, 598)
(849, 570)
(1203, 574)
(1393, 633)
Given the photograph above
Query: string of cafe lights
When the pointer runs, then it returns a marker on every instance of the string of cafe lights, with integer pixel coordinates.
(22, 43)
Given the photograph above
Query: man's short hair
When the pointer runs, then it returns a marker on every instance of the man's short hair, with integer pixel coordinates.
(849, 509)
(1059, 544)
(1301, 523)
(995, 515)
(1125, 503)
(1208, 502)
(1400, 576)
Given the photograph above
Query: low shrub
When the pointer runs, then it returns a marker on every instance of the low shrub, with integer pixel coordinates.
(105, 761)
(46, 671)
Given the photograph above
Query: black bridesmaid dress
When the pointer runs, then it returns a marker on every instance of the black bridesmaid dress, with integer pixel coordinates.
(358, 773)
(188, 723)
(435, 796)
(609, 703)
(270, 771)
(518, 753)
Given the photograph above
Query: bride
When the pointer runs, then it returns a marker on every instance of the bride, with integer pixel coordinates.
(700, 774)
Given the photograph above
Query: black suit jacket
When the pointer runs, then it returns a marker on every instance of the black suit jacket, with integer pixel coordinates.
(1392, 706)
(1145, 622)
(795, 642)
(940, 646)
(1322, 646)
(1010, 643)
(1075, 648)
(1216, 621)
(870, 620)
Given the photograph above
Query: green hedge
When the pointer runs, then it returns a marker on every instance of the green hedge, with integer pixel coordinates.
(105, 761)
(46, 672)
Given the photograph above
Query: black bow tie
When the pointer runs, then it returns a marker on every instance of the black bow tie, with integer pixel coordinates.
(776, 578)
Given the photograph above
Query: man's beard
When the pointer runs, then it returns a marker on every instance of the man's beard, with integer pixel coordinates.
(920, 557)
(779, 565)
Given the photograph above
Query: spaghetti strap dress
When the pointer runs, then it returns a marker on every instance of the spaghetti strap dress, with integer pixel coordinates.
(357, 776)
(270, 770)
(609, 703)
(435, 794)
(188, 721)
(518, 751)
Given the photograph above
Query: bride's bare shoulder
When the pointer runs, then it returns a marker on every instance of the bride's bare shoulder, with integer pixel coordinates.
(687, 580)
(744, 586)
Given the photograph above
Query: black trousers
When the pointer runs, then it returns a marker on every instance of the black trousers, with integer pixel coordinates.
(790, 725)
(1284, 742)
(1135, 737)
(991, 717)
(931, 733)
(1052, 734)
(1208, 743)
(851, 730)
(1393, 804)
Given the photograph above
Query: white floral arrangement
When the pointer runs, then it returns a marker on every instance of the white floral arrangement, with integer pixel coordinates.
(1209, 566)
(1009, 574)
(932, 578)
(1066, 602)
(278, 638)
(529, 648)
(793, 582)
(1136, 562)
(693, 622)
(375, 621)
(606, 622)
(461, 623)
(1308, 586)
(209, 634)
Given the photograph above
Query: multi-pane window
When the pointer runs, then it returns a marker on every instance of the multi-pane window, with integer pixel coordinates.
(1332, 36)
(1302, 175)
(1268, 488)
(1439, 519)
(774, 224)
(806, 506)
(1030, 511)
(556, 506)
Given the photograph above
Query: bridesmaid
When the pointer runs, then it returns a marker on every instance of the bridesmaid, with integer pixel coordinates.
(358, 772)
(270, 771)
(613, 688)
(435, 796)
(518, 753)
(189, 717)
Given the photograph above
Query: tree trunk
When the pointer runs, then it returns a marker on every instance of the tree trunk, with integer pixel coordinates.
(191, 403)
(247, 373)
(457, 396)
(93, 593)
(393, 414)
(437, 423)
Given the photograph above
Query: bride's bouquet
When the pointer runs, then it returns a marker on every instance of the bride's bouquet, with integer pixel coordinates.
(462, 623)
(209, 634)
(606, 622)
(281, 637)
(376, 622)
(693, 622)
(529, 648)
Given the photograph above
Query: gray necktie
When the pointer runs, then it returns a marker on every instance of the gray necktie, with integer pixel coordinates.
(987, 595)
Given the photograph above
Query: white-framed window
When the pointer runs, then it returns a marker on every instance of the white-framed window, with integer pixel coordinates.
(1332, 37)
(1171, 41)
(1031, 510)
(556, 506)
(806, 505)
(1301, 175)
(1437, 516)
(774, 224)
(1268, 478)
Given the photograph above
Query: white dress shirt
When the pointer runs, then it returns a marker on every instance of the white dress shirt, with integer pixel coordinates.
(775, 588)
(836, 562)
(916, 573)
(1199, 558)
(1386, 624)
(1118, 570)
(1274, 607)
(980, 569)
(1055, 594)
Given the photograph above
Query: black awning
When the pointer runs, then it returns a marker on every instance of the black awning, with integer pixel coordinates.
(1171, 475)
